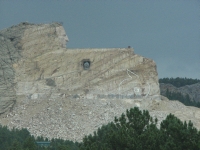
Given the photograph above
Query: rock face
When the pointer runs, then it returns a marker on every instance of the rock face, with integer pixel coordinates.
(192, 90)
(10, 53)
(68, 93)
(18, 50)
(35, 64)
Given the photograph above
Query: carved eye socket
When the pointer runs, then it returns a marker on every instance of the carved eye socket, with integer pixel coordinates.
(86, 65)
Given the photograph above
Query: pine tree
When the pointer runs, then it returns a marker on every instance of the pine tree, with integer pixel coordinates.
(30, 144)
(15, 146)
(178, 135)
(135, 130)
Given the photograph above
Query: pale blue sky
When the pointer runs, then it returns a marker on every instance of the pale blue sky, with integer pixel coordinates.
(167, 31)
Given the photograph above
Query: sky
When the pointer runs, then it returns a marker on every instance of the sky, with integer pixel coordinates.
(167, 31)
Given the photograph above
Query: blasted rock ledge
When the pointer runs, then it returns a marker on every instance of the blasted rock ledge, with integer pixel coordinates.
(35, 61)
(68, 93)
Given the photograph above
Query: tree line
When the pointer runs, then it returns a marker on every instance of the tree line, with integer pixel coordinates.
(185, 99)
(134, 129)
(21, 139)
(179, 82)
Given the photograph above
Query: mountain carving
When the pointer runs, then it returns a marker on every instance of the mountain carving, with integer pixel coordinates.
(60, 92)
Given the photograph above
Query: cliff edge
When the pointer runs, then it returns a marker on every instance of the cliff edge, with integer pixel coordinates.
(35, 64)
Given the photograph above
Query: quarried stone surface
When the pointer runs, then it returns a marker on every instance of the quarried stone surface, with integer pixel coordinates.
(66, 93)
(35, 62)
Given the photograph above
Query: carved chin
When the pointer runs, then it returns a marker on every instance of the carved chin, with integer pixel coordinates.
(63, 44)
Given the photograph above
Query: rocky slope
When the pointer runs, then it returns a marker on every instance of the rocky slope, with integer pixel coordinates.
(73, 118)
(68, 93)
(192, 90)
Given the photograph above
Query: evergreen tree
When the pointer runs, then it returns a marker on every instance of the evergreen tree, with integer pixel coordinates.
(135, 130)
(15, 146)
(186, 100)
(178, 135)
(30, 144)
(178, 82)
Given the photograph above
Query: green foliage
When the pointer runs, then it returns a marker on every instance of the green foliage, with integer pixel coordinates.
(10, 139)
(178, 82)
(63, 145)
(178, 135)
(16, 139)
(30, 143)
(134, 130)
(186, 100)
(137, 130)
(15, 146)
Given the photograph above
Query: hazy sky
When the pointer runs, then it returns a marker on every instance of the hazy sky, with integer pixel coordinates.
(167, 31)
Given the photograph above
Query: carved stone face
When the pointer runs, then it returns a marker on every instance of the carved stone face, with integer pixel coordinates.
(62, 36)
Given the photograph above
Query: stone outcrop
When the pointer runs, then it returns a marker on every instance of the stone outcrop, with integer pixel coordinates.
(66, 93)
(10, 53)
(192, 90)
(18, 50)
(35, 64)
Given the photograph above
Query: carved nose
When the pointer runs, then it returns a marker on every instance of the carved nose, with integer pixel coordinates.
(66, 39)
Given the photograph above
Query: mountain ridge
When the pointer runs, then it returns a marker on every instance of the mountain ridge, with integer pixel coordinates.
(192, 90)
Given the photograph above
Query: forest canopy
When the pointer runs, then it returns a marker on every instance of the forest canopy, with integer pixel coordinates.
(179, 82)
